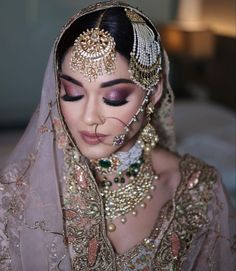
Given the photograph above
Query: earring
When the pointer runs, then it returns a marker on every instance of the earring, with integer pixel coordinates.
(149, 137)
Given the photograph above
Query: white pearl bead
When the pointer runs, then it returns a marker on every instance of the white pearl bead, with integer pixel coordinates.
(143, 205)
(149, 197)
(123, 220)
(134, 213)
(153, 187)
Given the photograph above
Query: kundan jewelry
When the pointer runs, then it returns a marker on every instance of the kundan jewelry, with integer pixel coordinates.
(145, 61)
(144, 66)
(149, 137)
(94, 53)
(128, 196)
(119, 139)
(117, 162)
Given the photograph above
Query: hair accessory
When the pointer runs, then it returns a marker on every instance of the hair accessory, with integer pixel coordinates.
(145, 61)
(93, 53)
(149, 137)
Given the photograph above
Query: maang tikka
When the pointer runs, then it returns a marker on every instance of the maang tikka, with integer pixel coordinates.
(94, 53)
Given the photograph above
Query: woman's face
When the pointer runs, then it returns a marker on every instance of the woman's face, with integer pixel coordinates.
(95, 112)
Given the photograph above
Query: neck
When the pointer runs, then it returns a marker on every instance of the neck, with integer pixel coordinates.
(118, 168)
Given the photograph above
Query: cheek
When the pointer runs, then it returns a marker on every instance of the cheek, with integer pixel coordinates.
(136, 126)
(131, 110)
(70, 114)
(126, 112)
(125, 116)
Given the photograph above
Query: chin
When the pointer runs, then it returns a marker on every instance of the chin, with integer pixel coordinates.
(101, 150)
(97, 152)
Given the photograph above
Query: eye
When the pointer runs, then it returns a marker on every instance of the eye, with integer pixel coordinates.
(117, 97)
(69, 98)
(72, 91)
(115, 102)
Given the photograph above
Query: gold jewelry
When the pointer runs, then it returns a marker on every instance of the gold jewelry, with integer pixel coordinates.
(149, 137)
(106, 165)
(145, 61)
(128, 197)
(93, 53)
(119, 139)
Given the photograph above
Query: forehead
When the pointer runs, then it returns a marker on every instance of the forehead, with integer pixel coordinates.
(121, 69)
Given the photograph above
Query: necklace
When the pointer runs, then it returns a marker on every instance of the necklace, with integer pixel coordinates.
(127, 198)
(122, 164)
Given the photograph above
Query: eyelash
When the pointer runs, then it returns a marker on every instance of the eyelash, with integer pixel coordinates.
(115, 102)
(68, 98)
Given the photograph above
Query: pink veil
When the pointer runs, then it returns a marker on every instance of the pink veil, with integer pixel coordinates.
(34, 224)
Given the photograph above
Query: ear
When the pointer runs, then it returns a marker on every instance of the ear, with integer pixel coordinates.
(157, 92)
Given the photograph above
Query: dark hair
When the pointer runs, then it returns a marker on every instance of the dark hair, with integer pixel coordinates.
(114, 20)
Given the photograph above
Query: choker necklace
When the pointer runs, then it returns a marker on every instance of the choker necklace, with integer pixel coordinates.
(127, 197)
(118, 162)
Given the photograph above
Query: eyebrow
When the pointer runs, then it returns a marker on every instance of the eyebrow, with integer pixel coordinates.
(70, 79)
(103, 85)
(116, 82)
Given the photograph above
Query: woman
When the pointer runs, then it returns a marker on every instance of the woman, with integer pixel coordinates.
(94, 183)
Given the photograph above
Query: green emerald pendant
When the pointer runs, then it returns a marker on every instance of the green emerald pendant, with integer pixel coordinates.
(105, 163)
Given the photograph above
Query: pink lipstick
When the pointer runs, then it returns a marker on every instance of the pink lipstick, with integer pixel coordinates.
(92, 138)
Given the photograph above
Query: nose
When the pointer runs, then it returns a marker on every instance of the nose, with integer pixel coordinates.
(92, 114)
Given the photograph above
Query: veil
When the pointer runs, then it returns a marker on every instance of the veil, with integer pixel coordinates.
(49, 200)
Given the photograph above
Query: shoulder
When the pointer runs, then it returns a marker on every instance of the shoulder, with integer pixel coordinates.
(164, 161)
(187, 172)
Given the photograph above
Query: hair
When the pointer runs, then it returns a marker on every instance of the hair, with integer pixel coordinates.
(114, 20)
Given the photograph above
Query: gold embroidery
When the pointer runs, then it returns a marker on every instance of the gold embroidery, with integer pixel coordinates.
(190, 213)
(61, 137)
(83, 216)
(181, 219)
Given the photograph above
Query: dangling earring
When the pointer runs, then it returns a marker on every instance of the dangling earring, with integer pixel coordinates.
(149, 137)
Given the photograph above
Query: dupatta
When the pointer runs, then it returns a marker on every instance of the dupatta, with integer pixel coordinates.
(48, 196)
(51, 211)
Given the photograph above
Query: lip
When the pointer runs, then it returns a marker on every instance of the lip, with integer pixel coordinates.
(92, 138)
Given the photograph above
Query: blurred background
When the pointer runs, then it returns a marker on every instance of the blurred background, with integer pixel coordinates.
(199, 36)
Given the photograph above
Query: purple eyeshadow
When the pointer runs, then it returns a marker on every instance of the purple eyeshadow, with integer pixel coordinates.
(117, 95)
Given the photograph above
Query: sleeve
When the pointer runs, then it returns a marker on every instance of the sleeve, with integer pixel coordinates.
(215, 249)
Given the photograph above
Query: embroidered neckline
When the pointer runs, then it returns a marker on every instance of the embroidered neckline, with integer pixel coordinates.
(158, 225)
(167, 212)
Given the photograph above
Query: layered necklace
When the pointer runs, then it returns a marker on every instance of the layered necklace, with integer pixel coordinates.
(131, 187)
